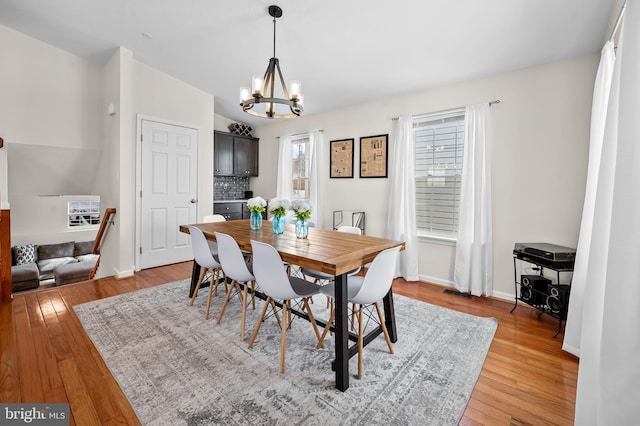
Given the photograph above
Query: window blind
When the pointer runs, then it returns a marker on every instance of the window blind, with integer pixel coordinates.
(439, 143)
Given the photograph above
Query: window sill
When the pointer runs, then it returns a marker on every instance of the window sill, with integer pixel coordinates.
(438, 239)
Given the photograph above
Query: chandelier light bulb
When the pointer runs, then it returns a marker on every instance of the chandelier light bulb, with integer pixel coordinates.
(295, 90)
(245, 94)
(257, 83)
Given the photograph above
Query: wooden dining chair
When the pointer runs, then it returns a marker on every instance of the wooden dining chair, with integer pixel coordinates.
(273, 280)
(364, 293)
(202, 256)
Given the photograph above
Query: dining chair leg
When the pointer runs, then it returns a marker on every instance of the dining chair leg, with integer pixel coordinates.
(244, 310)
(253, 295)
(195, 292)
(360, 341)
(283, 338)
(384, 327)
(259, 324)
(313, 322)
(326, 330)
(217, 277)
(226, 300)
(275, 311)
(211, 287)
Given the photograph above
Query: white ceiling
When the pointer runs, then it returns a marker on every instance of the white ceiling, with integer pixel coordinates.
(344, 51)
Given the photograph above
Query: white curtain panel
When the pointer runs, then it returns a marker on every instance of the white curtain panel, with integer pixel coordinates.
(609, 371)
(473, 270)
(573, 328)
(316, 142)
(284, 187)
(401, 224)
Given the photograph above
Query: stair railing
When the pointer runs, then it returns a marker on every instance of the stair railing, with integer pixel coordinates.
(97, 243)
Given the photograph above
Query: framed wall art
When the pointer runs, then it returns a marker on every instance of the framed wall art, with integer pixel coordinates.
(374, 156)
(341, 158)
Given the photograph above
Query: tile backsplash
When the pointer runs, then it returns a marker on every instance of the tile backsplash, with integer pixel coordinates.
(229, 187)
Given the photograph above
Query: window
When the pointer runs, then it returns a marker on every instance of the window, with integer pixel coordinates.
(83, 213)
(301, 167)
(439, 140)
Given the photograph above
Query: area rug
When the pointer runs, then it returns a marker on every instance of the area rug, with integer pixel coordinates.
(178, 369)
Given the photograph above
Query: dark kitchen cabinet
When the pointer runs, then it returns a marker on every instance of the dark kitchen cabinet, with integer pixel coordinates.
(235, 155)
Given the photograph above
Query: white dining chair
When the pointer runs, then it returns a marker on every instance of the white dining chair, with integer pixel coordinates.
(239, 270)
(203, 257)
(212, 218)
(274, 282)
(367, 291)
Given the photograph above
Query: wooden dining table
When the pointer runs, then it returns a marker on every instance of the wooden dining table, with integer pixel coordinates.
(332, 252)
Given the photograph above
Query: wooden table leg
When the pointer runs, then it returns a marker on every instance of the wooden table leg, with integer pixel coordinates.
(342, 333)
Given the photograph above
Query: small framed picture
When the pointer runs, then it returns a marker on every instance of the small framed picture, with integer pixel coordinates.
(341, 159)
(373, 156)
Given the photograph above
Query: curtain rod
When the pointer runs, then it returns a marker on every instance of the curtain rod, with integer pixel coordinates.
(496, 101)
(304, 133)
(618, 21)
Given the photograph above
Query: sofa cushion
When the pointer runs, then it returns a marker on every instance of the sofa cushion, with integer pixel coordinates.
(24, 254)
(50, 251)
(47, 266)
(82, 248)
(73, 272)
(24, 277)
(87, 257)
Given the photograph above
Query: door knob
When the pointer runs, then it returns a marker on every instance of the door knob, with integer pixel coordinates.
(193, 201)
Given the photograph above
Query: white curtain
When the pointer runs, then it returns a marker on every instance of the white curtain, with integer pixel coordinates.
(609, 371)
(284, 183)
(573, 328)
(401, 224)
(474, 249)
(284, 186)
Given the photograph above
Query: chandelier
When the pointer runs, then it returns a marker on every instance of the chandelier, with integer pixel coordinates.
(261, 99)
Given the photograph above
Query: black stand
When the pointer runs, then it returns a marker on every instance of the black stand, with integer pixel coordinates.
(550, 299)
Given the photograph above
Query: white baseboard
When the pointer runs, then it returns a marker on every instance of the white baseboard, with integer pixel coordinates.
(438, 281)
(123, 274)
(509, 297)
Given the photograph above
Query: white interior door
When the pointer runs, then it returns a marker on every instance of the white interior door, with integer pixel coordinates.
(169, 155)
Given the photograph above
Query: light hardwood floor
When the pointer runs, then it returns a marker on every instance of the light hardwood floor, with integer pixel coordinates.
(45, 355)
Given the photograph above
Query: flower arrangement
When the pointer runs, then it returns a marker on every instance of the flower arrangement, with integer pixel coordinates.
(279, 206)
(256, 204)
(301, 209)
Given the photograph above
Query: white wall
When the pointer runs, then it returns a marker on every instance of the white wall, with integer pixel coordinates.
(49, 121)
(221, 123)
(540, 134)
